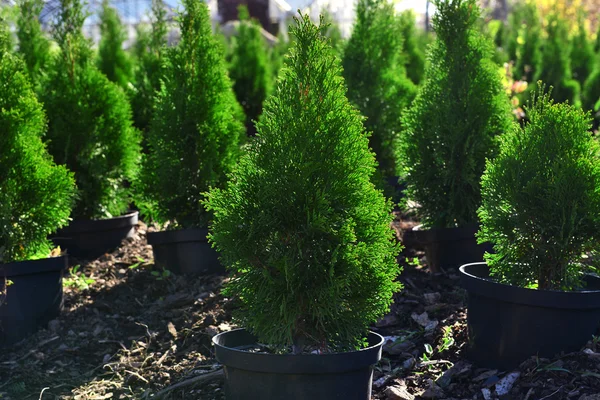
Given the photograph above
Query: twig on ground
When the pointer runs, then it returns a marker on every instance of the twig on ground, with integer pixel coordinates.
(204, 378)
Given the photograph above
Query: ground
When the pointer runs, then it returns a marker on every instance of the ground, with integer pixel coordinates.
(130, 331)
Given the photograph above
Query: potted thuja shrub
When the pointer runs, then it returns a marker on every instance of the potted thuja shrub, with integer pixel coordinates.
(90, 131)
(449, 131)
(378, 86)
(193, 142)
(307, 240)
(541, 209)
(36, 197)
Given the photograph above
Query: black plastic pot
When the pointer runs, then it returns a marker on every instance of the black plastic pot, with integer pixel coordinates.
(508, 324)
(251, 376)
(89, 239)
(449, 248)
(33, 297)
(185, 251)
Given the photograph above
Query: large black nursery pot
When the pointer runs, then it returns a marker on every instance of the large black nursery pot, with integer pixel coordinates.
(508, 324)
(31, 296)
(448, 248)
(251, 375)
(89, 239)
(185, 251)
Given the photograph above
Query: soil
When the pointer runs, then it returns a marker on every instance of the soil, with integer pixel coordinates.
(132, 331)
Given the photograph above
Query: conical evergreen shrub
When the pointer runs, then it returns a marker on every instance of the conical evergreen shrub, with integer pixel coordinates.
(149, 49)
(529, 43)
(113, 61)
(541, 204)
(36, 195)
(452, 125)
(414, 50)
(590, 95)
(194, 136)
(89, 128)
(250, 69)
(556, 64)
(34, 47)
(582, 52)
(303, 231)
(376, 77)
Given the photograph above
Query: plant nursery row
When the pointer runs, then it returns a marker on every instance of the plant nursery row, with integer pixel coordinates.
(404, 213)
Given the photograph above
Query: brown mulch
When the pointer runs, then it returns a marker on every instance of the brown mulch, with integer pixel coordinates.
(129, 330)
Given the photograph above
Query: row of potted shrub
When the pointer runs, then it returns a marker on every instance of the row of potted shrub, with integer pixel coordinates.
(306, 235)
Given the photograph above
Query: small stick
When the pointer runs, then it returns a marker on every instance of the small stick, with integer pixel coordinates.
(204, 378)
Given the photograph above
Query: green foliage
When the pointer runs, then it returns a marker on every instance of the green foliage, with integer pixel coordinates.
(451, 127)
(529, 42)
(89, 127)
(582, 52)
(376, 77)
(249, 68)
(590, 95)
(414, 51)
(194, 136)
(149, 49)
(35, 194)
(33, 45)
(541, 204)
(300, 226)
(112, 59)
(277, 55)
(556, 64)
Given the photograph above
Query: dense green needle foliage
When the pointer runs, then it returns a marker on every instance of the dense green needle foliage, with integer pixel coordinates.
(414, 46)
(541, 204)
(376, 77)
(36, 195)
(34, 47)
(149, 49)
(301, 227)
(249, 68)
(556, 64)
(194, 134)
(89, 128)
(583, 58)
(528, 41)
(113, 61)
(451, 127)
(590, 94)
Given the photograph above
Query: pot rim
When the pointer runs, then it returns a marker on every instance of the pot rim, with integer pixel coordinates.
(31, 267)
(177, 236)
(98, 225)
(299, 363)
(474, 284)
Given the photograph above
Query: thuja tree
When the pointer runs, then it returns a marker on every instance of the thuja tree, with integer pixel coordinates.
(590, 94)
(529, 43)
(414, 49)
(452, 125)
(90, 128)
(582, 52)
(376, 77)
(35, 194)
(194, 135)
(300, 226)
(113, 61)
(34, 47)
(249, 68)
(149, 49)
(541, 204)
(556, 64)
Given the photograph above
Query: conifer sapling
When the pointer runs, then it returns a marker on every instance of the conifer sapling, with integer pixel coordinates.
(249, 68)
(90, 129)
(194, 135)
(113, 61)
(36, 195)
(376, 77)
(453, 124)
(33, 45)
(303, 231)
(541, 204)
